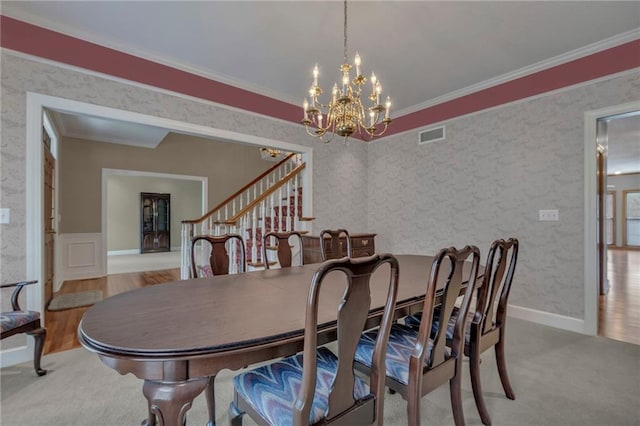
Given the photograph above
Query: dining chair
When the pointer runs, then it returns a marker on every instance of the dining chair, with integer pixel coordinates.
(226, 254)
(418, 362)
(334, 243)
(19, 321)
(318, 386)
(283, 242)
(486, 322)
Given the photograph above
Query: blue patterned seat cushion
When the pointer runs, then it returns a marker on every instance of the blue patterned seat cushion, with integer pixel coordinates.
(11, 320)
(272, 389)
(414, 322)
(402, 342)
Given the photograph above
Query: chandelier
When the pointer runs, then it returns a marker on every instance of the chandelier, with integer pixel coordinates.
(272, 154)
(345, 114)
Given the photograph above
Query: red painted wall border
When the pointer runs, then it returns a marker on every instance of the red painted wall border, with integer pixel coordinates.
(33, 40)
(611, 61)
(44, 43)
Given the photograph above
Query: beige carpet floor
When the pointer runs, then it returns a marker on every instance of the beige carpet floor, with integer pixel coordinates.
(560, 378)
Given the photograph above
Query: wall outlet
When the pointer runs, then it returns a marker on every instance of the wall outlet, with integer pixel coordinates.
(549, 215)
(5, 215)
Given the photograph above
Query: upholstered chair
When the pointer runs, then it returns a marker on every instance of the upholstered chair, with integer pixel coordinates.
(319, 386)
(331, 244)
(19, 321)
(282, 243)
(486, 325)
(217, 255)
(418, 362)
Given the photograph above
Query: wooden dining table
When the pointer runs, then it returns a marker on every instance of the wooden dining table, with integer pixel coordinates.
(177, 336)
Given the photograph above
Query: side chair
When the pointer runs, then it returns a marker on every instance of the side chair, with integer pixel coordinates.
(226, 251)
(486, 323)
(226, 255)
(282, 241)
(418, 362)
(318, 386)
(334, 243)
(19, 321)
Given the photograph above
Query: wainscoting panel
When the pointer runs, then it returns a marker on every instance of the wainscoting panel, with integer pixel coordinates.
(81, 256)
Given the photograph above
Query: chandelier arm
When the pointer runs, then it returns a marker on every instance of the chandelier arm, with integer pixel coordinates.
(372, 133)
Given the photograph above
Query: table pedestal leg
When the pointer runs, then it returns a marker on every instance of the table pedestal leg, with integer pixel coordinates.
(169, 402)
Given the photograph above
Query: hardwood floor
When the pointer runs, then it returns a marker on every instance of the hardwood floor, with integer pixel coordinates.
(62, 326)
(619, 310)
(619, 316)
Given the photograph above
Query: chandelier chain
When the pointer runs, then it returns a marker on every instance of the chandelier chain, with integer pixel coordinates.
(345, 31)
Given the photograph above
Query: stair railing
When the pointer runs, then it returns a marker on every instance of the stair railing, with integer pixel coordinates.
(264, 203)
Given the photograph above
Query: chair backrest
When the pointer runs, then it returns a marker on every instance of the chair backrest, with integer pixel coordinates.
(451, 268)
(224, 254)
(352, 316)
(283, 242)
(334, 243)
(493, 294)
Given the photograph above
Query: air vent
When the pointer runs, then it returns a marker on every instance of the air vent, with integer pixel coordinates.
(431, 135)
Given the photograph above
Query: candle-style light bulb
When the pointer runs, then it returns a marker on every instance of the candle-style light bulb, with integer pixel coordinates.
(316, 73)
(378, 91)
(371, 116)
(319, 119)
(334, 92)
(357, 62)
(312, 94)
(374, 79)
(387, 105)
(305, 107)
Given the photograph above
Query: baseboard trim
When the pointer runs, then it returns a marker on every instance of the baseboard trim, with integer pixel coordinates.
(135, 251)
(547, 318)
(18, 354)
(123, 252)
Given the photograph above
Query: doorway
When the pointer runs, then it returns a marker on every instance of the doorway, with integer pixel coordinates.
(618, 262)
(38, 103)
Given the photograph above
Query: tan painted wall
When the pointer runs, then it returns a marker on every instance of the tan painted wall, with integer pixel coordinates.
(123, 207)
(228, 167)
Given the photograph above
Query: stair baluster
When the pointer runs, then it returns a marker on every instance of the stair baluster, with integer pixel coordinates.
(255, 209)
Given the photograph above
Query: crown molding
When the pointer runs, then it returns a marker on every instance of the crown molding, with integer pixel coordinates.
(111, 43)
(508, 104)
(145, 86)
(531, 69)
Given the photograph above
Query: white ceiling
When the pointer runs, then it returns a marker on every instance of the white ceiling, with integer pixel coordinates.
(423, 51)
(107, 130)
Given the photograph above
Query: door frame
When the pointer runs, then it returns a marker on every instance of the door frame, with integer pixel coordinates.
(37, 103)
(591, 287)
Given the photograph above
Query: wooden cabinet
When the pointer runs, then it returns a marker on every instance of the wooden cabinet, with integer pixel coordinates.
(155, 230)
(361, 245)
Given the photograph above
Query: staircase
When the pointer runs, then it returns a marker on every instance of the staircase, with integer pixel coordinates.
(270, 202)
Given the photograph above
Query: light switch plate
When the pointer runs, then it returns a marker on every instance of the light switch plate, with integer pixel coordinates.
(5, 215)
(549, 215)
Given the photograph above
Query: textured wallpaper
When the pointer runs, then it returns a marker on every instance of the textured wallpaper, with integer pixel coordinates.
(490, 177)
(339, 173)
(488, 180)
